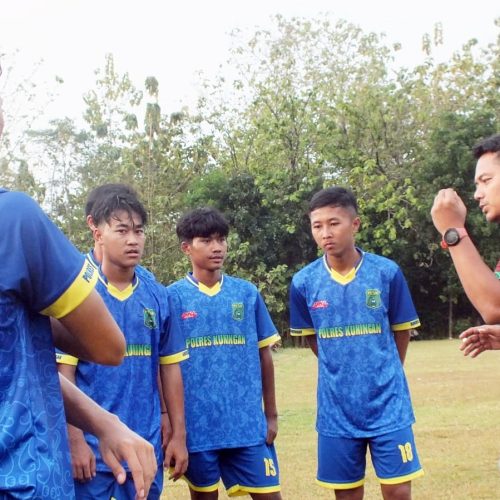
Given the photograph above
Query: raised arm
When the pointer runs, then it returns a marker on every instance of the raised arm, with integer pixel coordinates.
(478, 280)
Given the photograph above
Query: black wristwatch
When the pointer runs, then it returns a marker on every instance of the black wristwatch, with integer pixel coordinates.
(452, 236)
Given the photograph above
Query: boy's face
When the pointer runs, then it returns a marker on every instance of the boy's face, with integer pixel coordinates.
(206, 254)
(121, 239)
(487, 181)
(333, 229)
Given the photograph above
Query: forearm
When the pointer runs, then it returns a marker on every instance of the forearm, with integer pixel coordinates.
(478, 280)
(82, 412)
(173, 396)
(402, 339)
(268, 386)
(312, 342)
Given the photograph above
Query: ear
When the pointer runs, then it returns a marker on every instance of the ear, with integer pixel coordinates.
(97, 233)
(186, 248)
(356, 224)
(90, 222)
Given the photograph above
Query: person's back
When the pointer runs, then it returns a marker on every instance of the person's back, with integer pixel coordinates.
(229, 373)
(40, 273)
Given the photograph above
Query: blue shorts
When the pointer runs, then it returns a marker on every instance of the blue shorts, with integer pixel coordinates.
(104, 487)
(342, 461)
(253, 469)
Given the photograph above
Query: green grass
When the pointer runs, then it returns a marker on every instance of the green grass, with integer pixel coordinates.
(457, 405)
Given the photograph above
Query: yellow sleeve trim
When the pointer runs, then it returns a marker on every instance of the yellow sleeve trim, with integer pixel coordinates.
(66, 359)
(174, 358)
(406, 326)
(77, 292)
(302, 332)
(269, 340)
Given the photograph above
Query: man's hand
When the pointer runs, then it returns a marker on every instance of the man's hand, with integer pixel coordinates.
(176, 457)
(272, 428)
(82, 457)
(477, 339)
(448, 210)
(118, 443)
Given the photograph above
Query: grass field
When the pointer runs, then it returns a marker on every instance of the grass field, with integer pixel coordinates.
(457, 405)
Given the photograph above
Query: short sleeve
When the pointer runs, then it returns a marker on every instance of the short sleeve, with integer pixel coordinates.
(266, 331)
(172, 343)
(39, 264)
(402, 313)
(301, 323)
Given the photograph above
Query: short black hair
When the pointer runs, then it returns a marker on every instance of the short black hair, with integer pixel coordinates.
(335, 196)
(120, 197)
(201, 223)
(104, 190)
(488, 145)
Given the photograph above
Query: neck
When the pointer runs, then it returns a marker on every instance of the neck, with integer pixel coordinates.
(119, 277)
(207, 277)
(343, 263)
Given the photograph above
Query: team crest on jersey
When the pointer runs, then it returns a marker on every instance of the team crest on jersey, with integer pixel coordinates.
(149, 318)
(320, 304)
(373, 300)
(238, 311)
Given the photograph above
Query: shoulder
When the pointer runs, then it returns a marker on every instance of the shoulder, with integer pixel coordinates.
(240, 283)
(144, 273)
(176, 285)
(20, 203)
(382, 263)
(306, 272)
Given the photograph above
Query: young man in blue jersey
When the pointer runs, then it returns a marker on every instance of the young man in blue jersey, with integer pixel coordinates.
(449, 213)
(229, 374)
(140, 307)
(95, 254)
(356, 312)
(36, 284)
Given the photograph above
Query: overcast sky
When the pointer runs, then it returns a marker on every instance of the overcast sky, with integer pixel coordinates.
(173, 39)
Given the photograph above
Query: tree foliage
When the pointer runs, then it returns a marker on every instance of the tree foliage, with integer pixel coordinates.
(306, 104)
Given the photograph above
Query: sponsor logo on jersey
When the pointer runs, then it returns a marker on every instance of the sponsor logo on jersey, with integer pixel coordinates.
(149, 318)
(238, 311)
(320, 304)
(189, 314)
(373, 300)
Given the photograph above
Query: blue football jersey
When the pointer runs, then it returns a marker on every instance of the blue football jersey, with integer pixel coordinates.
(223, 328)
(130, 390)
(41, 275)
(362, 389)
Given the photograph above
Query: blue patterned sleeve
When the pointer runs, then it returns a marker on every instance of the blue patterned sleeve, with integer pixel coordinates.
(266, 331)
(172, 344)
(301, 323)
(402, 313)
(45, 269)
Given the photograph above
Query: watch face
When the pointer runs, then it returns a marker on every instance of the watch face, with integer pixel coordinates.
(451, 237)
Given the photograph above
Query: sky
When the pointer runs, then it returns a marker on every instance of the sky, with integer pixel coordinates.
(175, 39)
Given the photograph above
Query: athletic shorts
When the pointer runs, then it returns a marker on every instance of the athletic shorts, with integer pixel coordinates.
(252, 469)
(105, 487)
(342, 461)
